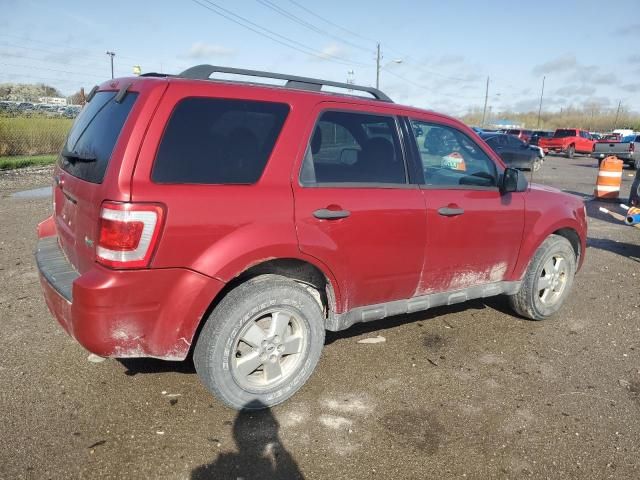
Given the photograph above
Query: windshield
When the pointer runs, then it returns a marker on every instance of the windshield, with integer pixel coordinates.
(561, 133)
(93, 136)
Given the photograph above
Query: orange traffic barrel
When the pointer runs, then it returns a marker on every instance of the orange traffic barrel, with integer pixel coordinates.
(609, 178)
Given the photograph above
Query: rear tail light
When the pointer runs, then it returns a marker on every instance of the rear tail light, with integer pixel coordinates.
(128, 234)
(632, 147)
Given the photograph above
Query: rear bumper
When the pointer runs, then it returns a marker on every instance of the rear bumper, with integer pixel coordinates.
(134, 313)
(624, 156)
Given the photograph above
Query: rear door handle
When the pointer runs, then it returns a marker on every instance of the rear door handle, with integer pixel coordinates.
(450, 212)
(326, 214)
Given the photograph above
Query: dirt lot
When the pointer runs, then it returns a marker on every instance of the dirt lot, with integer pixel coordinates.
(468, 391)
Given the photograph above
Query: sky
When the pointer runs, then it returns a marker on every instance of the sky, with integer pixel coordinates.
(435, 55)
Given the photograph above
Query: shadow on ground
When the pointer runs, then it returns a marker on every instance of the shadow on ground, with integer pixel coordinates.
(260, 452)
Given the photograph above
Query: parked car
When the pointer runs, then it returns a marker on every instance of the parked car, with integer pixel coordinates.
(245, 220)
(627, 150)
(538, 134)
(524, 135)
(513, 151)
(568, 141)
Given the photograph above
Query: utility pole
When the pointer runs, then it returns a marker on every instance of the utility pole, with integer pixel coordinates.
(540, 107)
(111, 54)
(378, 57)
(615, 124)
(486, 99)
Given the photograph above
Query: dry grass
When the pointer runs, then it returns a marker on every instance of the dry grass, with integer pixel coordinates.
(34, 135)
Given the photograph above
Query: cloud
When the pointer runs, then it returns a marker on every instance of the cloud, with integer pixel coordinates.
(449, 60)
(635, 58)
(332, 50)
(633, 29)
(560, 64)
(575, 90)
(631, 87)
(204, 50)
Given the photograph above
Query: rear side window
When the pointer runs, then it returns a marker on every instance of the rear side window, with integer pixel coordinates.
(94, 134)
(562, 133)
(218, 141)
(350, 147)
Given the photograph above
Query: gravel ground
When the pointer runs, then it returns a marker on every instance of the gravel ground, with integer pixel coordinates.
(461, 392)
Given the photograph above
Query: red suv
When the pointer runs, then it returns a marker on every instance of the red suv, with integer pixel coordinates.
(245, 220)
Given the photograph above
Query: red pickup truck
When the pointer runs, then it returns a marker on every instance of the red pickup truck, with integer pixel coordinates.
(568, 141)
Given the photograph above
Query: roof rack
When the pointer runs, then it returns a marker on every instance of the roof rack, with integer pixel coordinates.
(203, 72)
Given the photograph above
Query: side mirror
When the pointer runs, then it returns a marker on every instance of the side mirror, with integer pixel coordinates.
(513, 181)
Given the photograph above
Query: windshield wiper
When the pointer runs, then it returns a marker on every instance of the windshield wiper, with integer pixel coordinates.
(74, 157)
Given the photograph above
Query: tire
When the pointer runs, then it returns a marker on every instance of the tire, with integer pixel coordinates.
(537, 164)
(530, 301)
(571, 151)
(249, 322)
(636, 164)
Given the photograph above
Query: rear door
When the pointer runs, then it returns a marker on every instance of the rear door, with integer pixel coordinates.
(355, 209)
(81, 170)
(473, 231)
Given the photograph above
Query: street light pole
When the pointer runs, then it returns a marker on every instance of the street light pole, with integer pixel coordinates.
(540, 107)
(111, 54)
(378, 66)
(486, 99)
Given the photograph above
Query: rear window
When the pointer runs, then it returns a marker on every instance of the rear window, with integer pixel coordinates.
(218, 141)
(561, 133)
(94, 133)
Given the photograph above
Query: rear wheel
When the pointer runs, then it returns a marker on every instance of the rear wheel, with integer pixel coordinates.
(571, 151)
(261, 343)
(548, 280)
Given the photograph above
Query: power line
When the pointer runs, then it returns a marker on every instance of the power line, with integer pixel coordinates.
(50, 70)
(424, 87)
(405, 58)
(350, 32)
(287, 14)
(281, 39)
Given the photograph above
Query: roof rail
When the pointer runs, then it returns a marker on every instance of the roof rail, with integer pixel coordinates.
(203, 72)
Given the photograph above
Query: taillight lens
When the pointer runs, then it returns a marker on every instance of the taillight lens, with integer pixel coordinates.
(128, 234)
(632, 147)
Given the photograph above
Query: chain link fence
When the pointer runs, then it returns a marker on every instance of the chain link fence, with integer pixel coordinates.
(28, 130)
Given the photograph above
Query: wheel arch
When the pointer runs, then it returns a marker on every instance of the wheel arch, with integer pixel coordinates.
(303, 271)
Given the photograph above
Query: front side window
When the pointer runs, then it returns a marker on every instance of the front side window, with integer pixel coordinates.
(451, 159)
(218, 141)
(348, 147)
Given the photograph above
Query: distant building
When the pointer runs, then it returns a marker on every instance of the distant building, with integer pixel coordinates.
(506, 124)
(53, 100)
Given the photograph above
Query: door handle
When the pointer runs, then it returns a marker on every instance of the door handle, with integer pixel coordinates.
(450, 212)
(326, 214)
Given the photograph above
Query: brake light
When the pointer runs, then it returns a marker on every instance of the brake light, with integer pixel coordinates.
(632, 147)
(128, 234)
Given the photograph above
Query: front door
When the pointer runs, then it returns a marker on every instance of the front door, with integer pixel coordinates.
(354, 208)
(473, 231)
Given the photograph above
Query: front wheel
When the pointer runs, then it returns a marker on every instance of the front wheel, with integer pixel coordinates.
(547, 281)
(261, 343)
